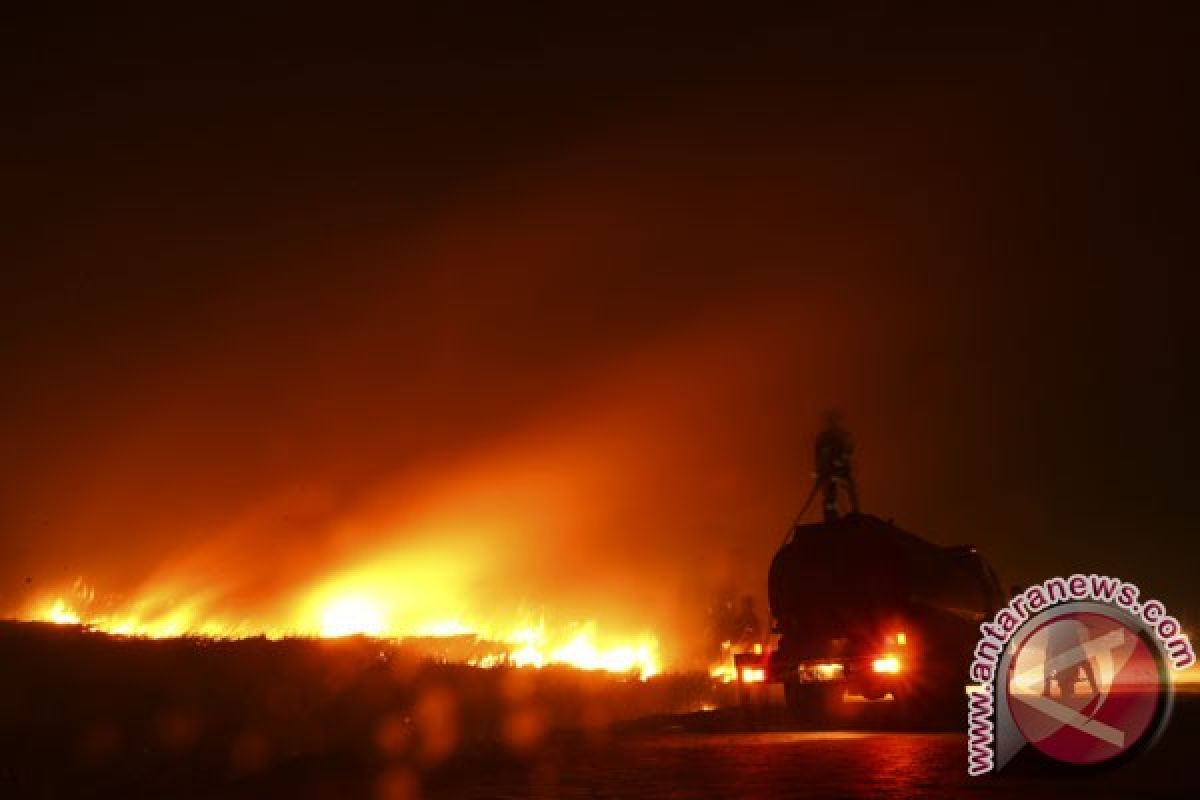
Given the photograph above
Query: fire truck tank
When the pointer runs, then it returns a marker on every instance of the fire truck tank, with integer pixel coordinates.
(832, 577)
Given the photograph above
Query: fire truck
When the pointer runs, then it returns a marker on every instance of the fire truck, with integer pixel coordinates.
(866, 610)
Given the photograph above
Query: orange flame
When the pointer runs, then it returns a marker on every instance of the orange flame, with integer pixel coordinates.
(348, 613)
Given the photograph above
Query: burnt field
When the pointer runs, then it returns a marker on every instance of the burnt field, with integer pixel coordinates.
(88, 715)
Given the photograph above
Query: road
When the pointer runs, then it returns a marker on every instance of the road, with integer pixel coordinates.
(675, 762)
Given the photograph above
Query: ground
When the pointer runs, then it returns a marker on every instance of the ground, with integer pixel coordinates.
(88, 716)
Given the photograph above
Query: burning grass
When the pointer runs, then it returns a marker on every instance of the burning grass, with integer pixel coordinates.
(335, 612)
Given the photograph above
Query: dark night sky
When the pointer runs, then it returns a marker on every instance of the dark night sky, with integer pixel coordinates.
(594, 275)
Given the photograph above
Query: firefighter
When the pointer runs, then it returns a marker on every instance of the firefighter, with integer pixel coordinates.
(834, 447)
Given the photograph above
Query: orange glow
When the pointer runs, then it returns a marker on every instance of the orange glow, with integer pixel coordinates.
(59, 614)
(1189, 677)
(444, 627)
(421, 577)
(350, 615)
(887, 665)
(828, 671)
(337, 609)
(901, 638)
(753, 674)
(723, 669)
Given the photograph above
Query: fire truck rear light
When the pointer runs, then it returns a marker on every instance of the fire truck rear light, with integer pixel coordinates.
(888, 665)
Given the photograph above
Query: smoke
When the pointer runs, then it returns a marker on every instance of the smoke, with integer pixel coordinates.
(557, 398)
(579, 383)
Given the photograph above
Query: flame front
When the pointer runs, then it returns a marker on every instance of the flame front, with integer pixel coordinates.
(350, 615)
(347, 613)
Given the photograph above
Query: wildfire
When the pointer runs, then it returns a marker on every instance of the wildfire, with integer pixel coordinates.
(59, 614)
(724, 668)
(536, 649)
(350, 613)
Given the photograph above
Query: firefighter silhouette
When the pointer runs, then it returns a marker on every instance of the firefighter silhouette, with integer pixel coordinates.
(832, 452)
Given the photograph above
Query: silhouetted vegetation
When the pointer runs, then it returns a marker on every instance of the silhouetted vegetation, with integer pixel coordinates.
(87, 714)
